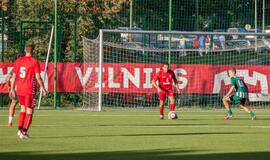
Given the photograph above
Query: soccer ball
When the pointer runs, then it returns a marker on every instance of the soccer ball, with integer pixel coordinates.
(172, 115)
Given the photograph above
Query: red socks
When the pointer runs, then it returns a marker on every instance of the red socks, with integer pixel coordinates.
(27, 121)
(24, 121)
(161, 110)
(172, 107)
(21, 120)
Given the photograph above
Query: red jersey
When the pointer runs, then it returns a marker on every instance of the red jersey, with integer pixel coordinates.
(165, 79)
(25, 69)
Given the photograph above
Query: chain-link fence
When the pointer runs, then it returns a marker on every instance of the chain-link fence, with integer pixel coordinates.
(29, 22)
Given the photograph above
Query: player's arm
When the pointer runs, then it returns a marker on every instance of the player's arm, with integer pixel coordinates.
(12, 85)
(41, 84)
(230, 91)
(232, 88)
(176, 83)
(154, 83)
(38, 78)
(13, 80)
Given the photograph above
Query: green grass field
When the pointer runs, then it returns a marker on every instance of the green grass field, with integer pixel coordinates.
(138, 135)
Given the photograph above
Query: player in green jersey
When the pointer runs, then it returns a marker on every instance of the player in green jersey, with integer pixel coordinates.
(240, 95)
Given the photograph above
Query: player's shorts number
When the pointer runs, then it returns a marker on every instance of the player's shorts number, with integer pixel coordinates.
(22, 72)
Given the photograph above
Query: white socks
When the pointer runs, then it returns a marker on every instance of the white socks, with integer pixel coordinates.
(10, 118)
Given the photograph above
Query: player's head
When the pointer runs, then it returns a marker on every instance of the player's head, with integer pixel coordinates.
(231, 72)
(165, 67)
(29, 48)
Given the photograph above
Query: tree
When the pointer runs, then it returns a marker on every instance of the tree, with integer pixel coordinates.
(90, 15)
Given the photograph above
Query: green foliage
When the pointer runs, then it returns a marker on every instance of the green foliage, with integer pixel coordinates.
(88, 15)
(76, 18)
(197, 15)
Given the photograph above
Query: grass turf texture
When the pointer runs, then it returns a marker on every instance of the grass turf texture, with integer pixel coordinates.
(138, 135)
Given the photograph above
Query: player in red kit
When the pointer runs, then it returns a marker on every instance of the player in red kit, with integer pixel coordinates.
(166, 79)
(26, 72)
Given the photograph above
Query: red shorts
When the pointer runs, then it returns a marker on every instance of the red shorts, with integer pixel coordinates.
(27, 101)
(163, 94)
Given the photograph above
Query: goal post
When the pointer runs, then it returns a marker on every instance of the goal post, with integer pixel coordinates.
(100, 72)
(120, 65)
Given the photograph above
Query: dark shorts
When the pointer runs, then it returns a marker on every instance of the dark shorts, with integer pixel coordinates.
(163, 94)
(237, 100)
(27, 101)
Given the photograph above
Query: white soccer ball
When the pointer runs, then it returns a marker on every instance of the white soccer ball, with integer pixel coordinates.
(172, 115)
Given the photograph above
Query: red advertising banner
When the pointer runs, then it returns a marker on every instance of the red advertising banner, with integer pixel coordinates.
(136, 77)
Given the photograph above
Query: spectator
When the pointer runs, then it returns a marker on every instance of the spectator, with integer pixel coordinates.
(208, 42)
(182, 45)
(202, 44)
(196, 42)
(182, 42)
(222, 41)
(216, 47)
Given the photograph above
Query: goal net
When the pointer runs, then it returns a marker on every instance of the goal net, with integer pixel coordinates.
(126, 61)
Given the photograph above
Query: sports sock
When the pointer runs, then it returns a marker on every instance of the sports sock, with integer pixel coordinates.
(251, 114)
(10, 119)
(230, 112)
(27, 122)
(161, 110)
(172, 107)
(21, 120)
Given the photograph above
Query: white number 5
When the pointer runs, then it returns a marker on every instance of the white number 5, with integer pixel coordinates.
(22, 72)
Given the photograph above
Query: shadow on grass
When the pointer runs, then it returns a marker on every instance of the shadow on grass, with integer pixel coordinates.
(140, 135)
(137, 155)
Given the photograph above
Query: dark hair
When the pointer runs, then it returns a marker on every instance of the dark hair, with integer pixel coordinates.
(30, 46)
(232, 69)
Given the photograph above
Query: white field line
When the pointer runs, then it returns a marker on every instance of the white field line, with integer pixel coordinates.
(149, 126)
(139, 115)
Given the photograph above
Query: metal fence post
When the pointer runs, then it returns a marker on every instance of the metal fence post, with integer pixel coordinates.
(55, 53)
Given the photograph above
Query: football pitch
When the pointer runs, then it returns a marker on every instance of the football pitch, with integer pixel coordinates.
(138, 135)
